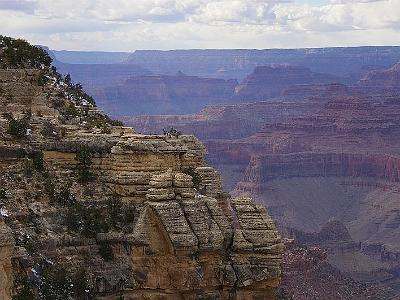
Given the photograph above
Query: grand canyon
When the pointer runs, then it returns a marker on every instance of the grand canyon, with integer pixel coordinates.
(314, 148)
(199, 174)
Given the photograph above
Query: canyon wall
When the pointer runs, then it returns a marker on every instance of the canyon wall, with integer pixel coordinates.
(317, 154)
(143, 216)
(268, 82)
(141, 95)
(239, 63)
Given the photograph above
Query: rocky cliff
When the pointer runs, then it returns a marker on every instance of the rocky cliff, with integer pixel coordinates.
(316, 154)
(386, 78)
(90, 209)
(179, 94)
(310, 275)
(225, 121)
(268, 82)
(241, 62)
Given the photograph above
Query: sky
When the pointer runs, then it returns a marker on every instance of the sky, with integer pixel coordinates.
(128, 25)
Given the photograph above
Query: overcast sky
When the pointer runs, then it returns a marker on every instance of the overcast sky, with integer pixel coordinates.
(127, 25)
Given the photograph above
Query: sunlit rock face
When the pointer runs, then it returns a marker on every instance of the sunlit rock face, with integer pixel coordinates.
(143, 216)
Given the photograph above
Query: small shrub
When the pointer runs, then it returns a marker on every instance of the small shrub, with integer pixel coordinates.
(42, 79)
(195, 177)
(71, 111)
(38, 160)
(28, 167)
(129, 214)
(106, 251)
(282, 295)
(3, 197)
(73, 218)
(87, 221)
(3, 194)
(26, 293)
(58, 102)
(115, 210)
(119, 215)
(64, 197)
(49, 129)
(8, 116)
(106, 130)
(116, 123)
(82, 288)
(56, 284)
(67, 79)
(84, 158)
(18, 128)
(28, 242)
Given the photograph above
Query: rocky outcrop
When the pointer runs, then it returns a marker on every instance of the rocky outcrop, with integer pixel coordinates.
(310, 275)
(164, 256)
(268, 82)
(332, 155)
(333, 236)
(142, 216)
(387, 78)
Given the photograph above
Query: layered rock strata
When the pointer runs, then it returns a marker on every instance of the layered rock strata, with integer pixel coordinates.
(162, 94)
(69, 161)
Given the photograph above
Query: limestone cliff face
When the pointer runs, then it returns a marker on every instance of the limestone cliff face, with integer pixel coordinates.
(142, 215)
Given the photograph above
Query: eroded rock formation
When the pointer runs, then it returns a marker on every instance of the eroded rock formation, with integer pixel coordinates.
(162, 94)
(142, 216)
(268, 82)
(331, 153)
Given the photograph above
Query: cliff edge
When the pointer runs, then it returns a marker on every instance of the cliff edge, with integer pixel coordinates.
(90, 209)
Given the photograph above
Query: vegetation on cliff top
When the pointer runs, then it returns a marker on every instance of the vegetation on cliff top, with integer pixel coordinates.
(69, 98)
(17, 53)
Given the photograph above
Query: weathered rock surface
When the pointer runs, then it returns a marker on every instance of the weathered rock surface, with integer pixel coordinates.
(178, 242)
(331, 155)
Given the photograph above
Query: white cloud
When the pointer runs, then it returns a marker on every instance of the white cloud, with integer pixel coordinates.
(163, 24)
